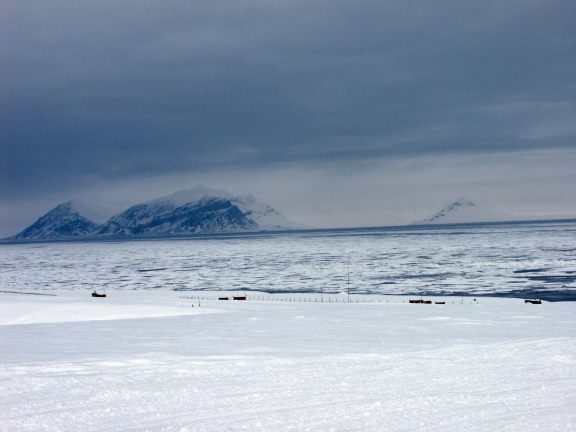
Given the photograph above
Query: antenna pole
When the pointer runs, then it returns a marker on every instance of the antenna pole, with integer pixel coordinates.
(348, 283)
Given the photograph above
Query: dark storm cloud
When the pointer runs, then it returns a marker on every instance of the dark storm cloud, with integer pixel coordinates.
(113, 89)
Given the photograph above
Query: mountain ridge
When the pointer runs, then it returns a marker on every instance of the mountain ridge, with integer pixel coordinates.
(198, 210)
(462, 210)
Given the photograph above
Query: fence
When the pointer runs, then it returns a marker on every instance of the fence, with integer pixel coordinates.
(327, 298)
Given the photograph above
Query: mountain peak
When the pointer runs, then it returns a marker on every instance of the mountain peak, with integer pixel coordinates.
(63, 221)
(192, 195)
(462, 210)
(462, 202)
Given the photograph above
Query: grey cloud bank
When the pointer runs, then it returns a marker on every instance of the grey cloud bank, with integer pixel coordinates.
(307, 104)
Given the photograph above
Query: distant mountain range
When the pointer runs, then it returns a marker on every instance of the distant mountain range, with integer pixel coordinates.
(463, 211)
(198, 210)
(201, 210)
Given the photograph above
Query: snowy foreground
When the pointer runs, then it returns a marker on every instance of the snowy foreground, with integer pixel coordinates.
(71, 363)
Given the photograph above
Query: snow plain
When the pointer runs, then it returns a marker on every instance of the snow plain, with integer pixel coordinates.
(262, 365)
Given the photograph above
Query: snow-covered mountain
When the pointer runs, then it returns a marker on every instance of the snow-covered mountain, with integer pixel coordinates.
(208, 215)
(196, 210)
(68, 220)
(199, 210)
(266, 217)
(463, 211)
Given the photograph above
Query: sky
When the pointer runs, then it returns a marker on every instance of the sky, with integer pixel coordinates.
(337, 113)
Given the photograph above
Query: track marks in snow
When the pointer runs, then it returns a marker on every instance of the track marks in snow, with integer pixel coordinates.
(505, 386)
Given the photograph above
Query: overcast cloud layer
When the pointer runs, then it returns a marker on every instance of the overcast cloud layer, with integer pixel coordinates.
(285, 98)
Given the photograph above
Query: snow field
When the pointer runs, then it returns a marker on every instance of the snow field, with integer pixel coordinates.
(18, 312)
(260, 366)
(454, 389)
